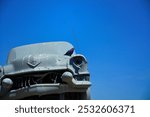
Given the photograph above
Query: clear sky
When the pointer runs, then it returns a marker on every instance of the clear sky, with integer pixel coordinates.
(114, 35)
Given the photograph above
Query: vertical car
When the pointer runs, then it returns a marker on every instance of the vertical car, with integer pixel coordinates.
(49, 70)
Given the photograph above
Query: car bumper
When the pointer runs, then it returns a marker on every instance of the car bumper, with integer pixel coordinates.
(47, 89)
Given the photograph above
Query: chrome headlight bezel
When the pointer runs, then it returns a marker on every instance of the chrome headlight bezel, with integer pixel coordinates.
(79, 63)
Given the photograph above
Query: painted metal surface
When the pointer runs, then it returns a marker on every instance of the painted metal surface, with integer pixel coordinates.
(45, 69)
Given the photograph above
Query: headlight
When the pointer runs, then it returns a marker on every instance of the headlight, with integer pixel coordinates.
(78, 60)
(1, 71)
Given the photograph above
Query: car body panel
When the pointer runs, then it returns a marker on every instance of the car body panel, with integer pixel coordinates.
(43, 69)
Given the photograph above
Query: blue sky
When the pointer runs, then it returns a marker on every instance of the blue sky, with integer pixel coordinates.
(114, 35)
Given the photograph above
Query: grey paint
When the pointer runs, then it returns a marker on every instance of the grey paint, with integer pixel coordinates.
(44, 69)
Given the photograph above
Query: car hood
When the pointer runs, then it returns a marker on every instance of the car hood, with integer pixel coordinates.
(41, 62)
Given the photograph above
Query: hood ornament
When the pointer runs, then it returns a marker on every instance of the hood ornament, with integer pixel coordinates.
(33, 62)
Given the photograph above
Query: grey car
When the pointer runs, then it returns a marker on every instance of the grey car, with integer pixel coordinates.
(50, 70)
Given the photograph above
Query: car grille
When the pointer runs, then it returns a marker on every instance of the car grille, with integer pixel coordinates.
(36, 78)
